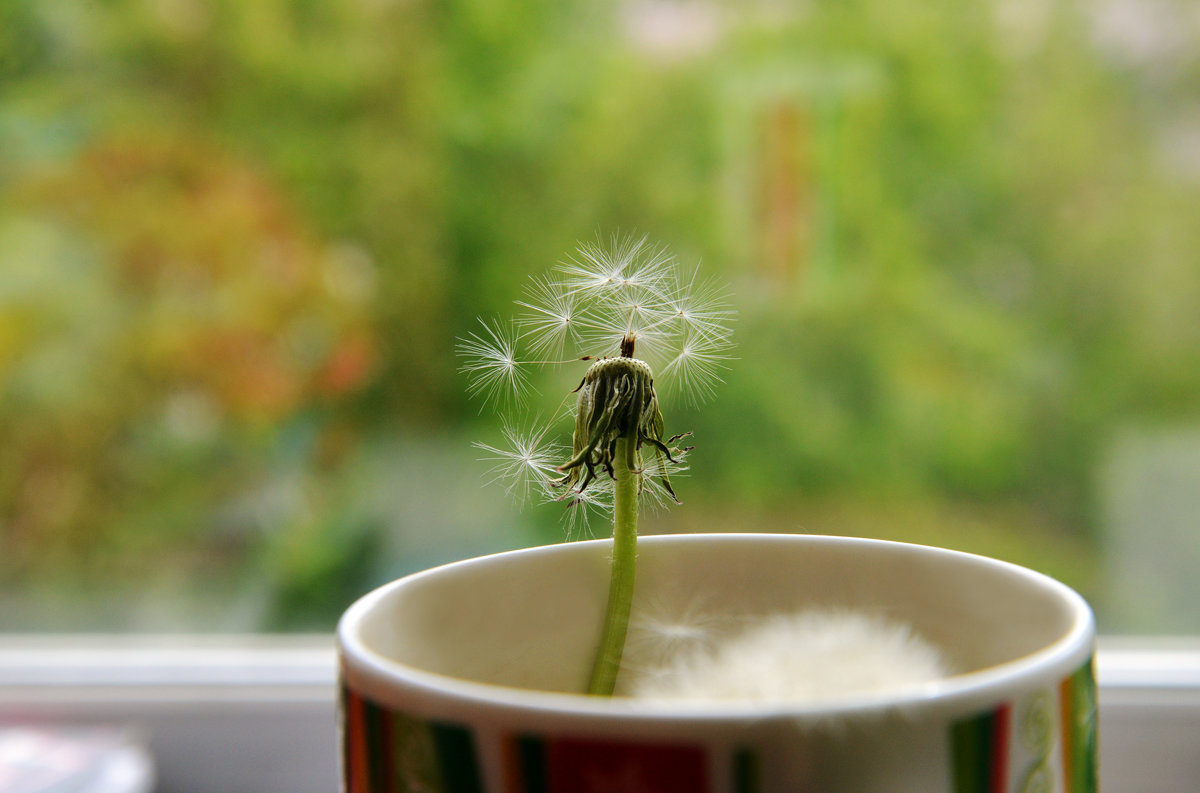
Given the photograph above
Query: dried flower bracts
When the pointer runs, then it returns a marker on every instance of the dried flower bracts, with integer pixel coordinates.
(616, 399)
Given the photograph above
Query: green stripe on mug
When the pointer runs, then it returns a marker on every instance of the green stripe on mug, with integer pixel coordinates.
(980, 751)
(1079, 740)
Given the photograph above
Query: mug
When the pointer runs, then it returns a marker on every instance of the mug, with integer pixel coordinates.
(463, 678)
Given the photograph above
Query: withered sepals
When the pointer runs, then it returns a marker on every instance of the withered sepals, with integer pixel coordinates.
(617, 399)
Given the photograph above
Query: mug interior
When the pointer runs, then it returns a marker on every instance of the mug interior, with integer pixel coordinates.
(530, 619)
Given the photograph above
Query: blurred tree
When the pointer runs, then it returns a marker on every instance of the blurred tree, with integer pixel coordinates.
(164, 312)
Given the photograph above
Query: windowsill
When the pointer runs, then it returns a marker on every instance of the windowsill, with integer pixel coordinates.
(257, 713)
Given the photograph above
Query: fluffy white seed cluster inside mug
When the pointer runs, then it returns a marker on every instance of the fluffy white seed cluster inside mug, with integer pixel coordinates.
(809, 657)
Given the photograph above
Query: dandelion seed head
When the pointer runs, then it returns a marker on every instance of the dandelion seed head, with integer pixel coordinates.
(623, 298)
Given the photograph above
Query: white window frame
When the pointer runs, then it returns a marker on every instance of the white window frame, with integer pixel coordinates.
(258, 713)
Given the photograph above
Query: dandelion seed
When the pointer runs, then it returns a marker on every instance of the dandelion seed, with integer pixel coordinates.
(662, 630)
(491, 364)
(526, 464)
(553, 320)
(629, 267)
(695, 368)
(699, 310)
(646, 271)
(656, 473)
(583, 506)
(593, 270)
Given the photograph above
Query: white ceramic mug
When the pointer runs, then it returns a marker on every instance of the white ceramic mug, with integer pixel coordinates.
(459, 679)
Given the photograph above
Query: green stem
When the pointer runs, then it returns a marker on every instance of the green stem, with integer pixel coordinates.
(624, 558)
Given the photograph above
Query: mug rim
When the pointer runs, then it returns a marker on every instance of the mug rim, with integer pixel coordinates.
(382, 678)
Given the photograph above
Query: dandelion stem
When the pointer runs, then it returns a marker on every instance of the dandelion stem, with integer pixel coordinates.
(624, 558)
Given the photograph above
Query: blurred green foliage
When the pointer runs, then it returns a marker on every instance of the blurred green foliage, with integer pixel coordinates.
(238, 240)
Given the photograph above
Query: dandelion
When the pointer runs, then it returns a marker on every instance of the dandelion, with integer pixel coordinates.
(624, 309)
